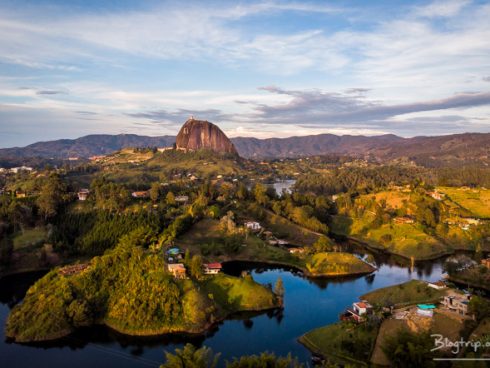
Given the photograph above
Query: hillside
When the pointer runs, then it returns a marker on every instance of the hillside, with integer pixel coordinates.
(457, 149)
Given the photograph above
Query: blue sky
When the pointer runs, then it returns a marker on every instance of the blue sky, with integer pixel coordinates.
(262, 69)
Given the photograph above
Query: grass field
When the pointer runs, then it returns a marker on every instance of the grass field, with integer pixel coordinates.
(394, 198)
(336, 264)
(482, 331)
(447, 324)
(388, 328)
(477, 200)
(343, 342)
(407, 240)
(29, 237)
(411, 292)
(236, 294)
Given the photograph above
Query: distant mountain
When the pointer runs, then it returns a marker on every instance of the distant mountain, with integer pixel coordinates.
(199, 134)
(312, 145)
(429, 151)
(84, 147)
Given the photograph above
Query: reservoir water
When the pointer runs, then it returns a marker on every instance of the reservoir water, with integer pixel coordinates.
(308, 304)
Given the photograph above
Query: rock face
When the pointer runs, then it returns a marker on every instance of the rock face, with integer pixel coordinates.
(200, 134)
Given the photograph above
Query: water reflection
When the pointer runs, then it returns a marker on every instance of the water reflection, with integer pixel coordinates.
(308, 303)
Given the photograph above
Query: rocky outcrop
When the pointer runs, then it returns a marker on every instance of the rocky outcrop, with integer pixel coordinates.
(200, 134)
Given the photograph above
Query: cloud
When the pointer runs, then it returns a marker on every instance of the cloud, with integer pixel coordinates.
(180, 115)
(50, 92)
(319, 107)
(441, 8)
(486, 79)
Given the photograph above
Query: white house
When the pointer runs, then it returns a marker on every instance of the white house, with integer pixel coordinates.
(438, 285)
(253, 225)
(212, 268)
(83, 194)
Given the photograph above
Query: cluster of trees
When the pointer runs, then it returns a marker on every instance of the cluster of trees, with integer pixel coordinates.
(93, 232)
(109, 196)
(190, 356)
(361, 179)
(307, 210)
(126, 287)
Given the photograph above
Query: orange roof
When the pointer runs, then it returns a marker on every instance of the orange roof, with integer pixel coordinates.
(214, 265)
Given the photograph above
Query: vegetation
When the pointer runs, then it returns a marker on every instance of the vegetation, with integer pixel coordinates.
(409, 349)
(144, 301)
(343, 342)
(411, 292)
(336, 264)
(191, 357)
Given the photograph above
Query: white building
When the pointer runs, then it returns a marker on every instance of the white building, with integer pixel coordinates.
(253, 225)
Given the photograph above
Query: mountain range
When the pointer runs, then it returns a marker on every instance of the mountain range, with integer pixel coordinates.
(431, 151)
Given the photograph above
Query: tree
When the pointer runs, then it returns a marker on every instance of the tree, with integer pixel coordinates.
(323, 244)
(480, 307)
(260, 194)
(196, 266)
(264, 360)
(155, 192)
(170, 199)
(279, 288)
(409, 349)
(51, 196)
(190, 357)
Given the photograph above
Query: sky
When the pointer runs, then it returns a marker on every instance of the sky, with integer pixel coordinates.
(257, 69)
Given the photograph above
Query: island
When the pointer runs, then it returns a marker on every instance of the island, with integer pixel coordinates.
(129, 290)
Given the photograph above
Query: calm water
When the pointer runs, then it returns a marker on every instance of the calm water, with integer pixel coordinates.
(308, 304)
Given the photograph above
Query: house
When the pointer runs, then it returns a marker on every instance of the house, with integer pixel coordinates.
(140, 194)
(96, 158)
(358, 312)
(403, 220)
(177, 270)
(296, 250)
(181, 199)
(438, 285)
(83, 194)
(163, 149)
(457, 303)
(436, 195)
(486, 262)
(253, 225)
(16, 170)
(212, 268)
(426, 310)
(20, 194)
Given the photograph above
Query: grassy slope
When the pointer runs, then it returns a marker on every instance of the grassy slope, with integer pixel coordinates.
(238, 294)
(409, 240)
(336, 264)
(330, 341)
(29, 237)
(411, 292)
(477, 201)
(388, 328)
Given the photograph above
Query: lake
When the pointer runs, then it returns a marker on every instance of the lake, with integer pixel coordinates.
(308, 304)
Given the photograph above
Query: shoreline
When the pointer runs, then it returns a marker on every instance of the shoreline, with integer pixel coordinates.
(304, 271)
(192, 332)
